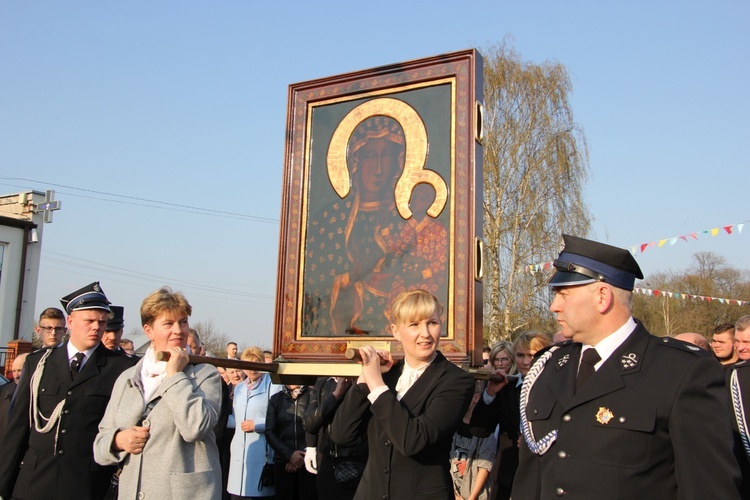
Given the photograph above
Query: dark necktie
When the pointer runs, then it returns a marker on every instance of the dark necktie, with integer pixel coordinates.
(75, 365)
(586, 369)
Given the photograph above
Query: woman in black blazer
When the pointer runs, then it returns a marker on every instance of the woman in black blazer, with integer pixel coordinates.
(407, 411)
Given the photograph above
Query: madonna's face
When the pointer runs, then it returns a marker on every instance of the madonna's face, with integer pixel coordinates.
(378, 162)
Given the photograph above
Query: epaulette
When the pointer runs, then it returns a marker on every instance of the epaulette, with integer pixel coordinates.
(682, 346)
(541, 351)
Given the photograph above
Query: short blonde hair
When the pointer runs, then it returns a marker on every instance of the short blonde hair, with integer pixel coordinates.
(414, 305)
(253, 354)
(164, 300)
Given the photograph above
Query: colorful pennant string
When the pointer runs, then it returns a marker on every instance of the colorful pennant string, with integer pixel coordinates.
(687, 296)
(634, 249)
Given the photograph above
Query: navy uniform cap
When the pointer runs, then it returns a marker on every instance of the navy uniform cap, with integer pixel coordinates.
(116, 319)
(584, 261)
(89, 297)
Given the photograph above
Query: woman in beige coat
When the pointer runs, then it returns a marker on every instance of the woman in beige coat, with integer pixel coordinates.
(173, 453)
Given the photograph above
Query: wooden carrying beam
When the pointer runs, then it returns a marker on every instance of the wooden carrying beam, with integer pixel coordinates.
(307, 372)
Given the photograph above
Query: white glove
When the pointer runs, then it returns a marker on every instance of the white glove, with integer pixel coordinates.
(311, 460)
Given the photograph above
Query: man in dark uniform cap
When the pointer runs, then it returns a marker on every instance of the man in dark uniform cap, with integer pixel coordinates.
(114, 329)
(59, 402)
(617, 412)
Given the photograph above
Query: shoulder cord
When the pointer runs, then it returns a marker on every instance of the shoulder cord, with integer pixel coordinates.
(538, 447)
(35, 416)
(739, 411)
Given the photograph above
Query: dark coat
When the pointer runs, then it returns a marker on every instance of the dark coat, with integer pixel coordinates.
(503, 411)
(32, 467)
(743, 378)
(409, 440)
(6, 396)
(318, 420)
(652, 422)
(285, 432)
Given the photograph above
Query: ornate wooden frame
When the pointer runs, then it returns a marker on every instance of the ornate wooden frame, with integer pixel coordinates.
(437, 102)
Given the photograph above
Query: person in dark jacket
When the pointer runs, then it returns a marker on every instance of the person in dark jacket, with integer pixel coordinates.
(285, 433)
(617, 412)
(407, 411)
(58, 404)
(338, 468)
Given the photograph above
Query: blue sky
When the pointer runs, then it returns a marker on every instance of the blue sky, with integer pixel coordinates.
(115, 105)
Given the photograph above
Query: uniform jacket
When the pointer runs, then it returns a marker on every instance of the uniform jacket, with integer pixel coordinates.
(180, 459)
(33, 467)
(248, 449)
(650, 423)
(409, 440)
(742, 368)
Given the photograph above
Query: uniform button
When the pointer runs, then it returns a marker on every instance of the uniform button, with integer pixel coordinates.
(559, 492)
(622, 420)
(562, 454)
(66, 412)
(536, 411)
(566, 418)
(385, 496)
(387, 442)
(63, 431)
(43, 389)
(385, 470)
(70, 393)
(61, 452)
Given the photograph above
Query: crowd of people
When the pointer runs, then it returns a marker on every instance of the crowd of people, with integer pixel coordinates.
(601, 408)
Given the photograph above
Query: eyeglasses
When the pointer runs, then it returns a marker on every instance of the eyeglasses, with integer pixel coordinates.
(50, 329)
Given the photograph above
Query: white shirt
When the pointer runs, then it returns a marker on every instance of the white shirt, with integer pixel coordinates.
(407, 379)
(608, 345)
(72, 351)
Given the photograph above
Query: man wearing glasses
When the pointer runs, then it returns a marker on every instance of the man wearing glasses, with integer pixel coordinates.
(51, 327)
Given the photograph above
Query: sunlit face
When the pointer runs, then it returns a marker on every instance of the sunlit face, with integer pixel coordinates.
(17, 368)
(419, 338)
(742, 341)
(111, 339)
(235, 375)
(502, 361)
(575, 311)
(86, 327)
(524, 358)
(232, 351)
(723, 345)
(195, 347)
(50, 331)
(169, 329)
(378, 161)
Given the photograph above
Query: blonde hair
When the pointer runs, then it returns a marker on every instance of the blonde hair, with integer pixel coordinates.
(414, 305)
(531, 341)
(164, 300)
(254, 354)
(507, 347)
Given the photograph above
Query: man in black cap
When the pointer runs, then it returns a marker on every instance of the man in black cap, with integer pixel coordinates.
(59, 402)
(114, 329)
(616, 412)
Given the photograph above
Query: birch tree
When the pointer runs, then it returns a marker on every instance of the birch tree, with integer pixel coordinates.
(535, 171)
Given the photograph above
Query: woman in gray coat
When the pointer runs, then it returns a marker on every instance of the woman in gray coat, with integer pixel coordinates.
(172, 453)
